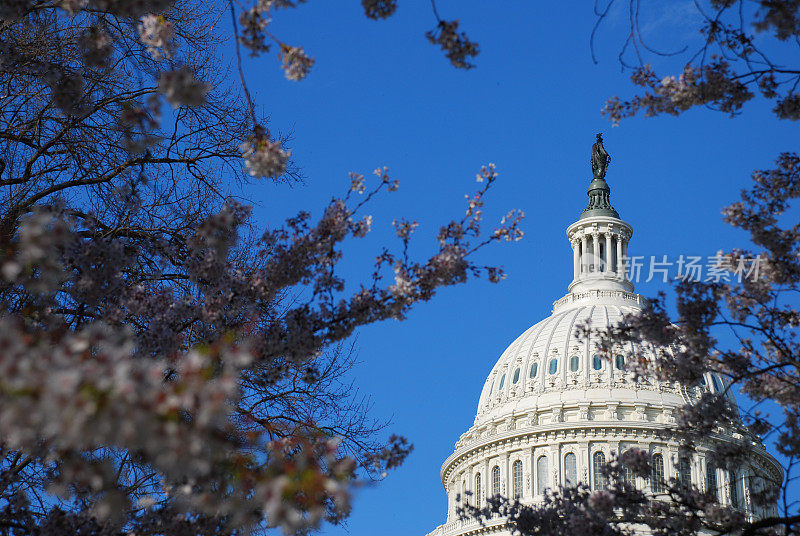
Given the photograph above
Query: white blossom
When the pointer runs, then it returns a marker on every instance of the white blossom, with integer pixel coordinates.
(264, 157)
(73, 6)
(357, 183)
(156, 33)
(295, 63)
(180, 88)
(363, 227)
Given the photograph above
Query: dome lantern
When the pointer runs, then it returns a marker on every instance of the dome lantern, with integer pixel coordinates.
(599, 238)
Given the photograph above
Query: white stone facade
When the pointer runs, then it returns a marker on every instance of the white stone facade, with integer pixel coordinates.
(552, 407)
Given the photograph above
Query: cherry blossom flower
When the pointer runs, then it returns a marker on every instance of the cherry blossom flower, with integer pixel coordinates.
(96, 46)
(180, 88)
(357, 183)
(156, 33)
(379, 9)
(73, 6)
(264, 157)
(362, 227)
(457, 47)
(295, 63)
(254, 22)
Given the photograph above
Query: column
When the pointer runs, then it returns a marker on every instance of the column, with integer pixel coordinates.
(576, 267)
(555, 467)
(723, 487)
(624, 247)
(620, 268)
(534, 474)
(747, 501)
(607, 267)
(698, 473)
(670, 466)
(471, 485)
(487, 486)
(451, 500)
(584, 462)
(527, 476)
(595, 251)
(584, 256)
(505, 487)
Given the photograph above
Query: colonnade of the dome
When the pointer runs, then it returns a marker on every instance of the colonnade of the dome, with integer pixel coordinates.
(599, 249)
(595, 251)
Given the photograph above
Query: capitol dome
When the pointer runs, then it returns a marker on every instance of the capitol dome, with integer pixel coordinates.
(554, 409)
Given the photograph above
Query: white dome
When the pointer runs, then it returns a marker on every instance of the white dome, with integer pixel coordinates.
(551, 362)
(553, 409)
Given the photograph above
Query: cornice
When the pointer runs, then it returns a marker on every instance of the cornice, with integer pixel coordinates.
(617, 297)
(593, 430)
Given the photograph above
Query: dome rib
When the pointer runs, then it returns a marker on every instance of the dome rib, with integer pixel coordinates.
(567, 338)
(556, 332)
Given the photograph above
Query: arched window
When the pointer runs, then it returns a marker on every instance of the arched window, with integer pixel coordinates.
(733, 489)
(502, 382)
(516, 376)
(495, 480)
(478, 490)
(598, 462)
(711, 479)
(574, 363)
(597, 362)
(553, 365)
(620, 362)
(534, 370)
(684, 471)
(703, 380)
(516, 475)
(491, 388)
(657, 474)
(542, 482)
(570, 469)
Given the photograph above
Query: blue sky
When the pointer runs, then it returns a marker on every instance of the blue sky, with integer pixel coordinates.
(379, 94)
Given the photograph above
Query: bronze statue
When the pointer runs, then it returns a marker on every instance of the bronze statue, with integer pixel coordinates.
(600, 158)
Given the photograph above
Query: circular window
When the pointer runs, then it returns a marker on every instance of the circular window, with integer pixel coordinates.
(553, 365)
(620, 362)
(574, 362)
(516, 376)
(597, 362)
(534, 370)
